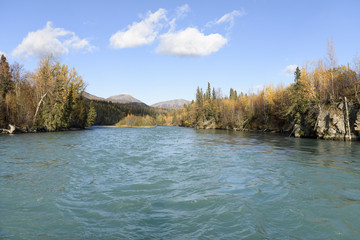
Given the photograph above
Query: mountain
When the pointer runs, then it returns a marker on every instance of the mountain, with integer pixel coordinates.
(123, 98)
(92, 97)
(177, 103)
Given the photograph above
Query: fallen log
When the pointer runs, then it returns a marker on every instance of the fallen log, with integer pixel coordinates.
(13, 129)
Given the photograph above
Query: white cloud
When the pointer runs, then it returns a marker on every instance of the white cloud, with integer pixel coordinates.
(182, 10)
(2, 53)
(228, 18)
(190, 42)
(289, 70)
(139, 33)
(78, 44)
(180, 13)
(49, 40)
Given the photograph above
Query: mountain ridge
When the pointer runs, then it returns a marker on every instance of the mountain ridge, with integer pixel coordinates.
(176, 103)
(125, 98)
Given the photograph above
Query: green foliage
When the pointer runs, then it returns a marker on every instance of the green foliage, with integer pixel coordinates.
(109, 113)
(137, 121)
(79, 114)
(6, 84)
(91, 115)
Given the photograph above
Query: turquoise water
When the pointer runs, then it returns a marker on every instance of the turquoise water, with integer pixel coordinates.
(177, 183)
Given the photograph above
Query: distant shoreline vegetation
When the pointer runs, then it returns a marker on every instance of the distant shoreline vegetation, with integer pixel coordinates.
(132, 121)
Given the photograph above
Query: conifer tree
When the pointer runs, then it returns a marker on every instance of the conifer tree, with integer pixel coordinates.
(208, 92)
(6, 85)
(91, 115)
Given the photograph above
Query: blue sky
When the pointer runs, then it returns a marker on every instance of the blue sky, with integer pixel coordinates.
(162, 50)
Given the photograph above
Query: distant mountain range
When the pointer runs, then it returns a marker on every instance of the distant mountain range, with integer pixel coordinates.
(127, 98)
(123, 98)
(177, 103)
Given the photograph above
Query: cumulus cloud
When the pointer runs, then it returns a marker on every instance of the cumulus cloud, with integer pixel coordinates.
(228, 18)
(190, 42)
(49, 40)
(139, 33)
(289, 70)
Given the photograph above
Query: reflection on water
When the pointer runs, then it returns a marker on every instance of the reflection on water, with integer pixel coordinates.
(169, 182)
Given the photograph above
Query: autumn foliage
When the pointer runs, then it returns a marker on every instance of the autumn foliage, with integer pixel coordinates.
(50, 98)
(277, 108)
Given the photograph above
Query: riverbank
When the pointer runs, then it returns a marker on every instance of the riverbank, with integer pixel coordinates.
(16, 130)
(129, 126)
(337, 121)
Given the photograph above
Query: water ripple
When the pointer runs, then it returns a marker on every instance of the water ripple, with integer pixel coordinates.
(177, 183)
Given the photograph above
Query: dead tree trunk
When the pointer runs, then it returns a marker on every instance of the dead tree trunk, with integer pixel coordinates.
(348, 131)
(38, 107)
(11, 130)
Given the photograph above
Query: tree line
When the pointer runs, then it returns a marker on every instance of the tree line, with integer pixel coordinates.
(277, 108)
(51, 99)
(48, 99)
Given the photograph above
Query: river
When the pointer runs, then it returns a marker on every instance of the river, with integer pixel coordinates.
(177, 183)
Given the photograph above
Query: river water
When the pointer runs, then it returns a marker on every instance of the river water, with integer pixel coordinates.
(177, 183)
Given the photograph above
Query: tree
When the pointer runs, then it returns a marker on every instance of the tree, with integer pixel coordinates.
(213, 94)
(6, 85)
(57, 92)
(208, 92)
(231, 93)
(91, 115)
(297, 74)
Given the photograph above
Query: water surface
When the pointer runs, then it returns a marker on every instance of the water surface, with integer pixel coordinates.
(177, 183)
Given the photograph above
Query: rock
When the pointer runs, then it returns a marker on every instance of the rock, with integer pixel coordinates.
(339, 123)
(331, 123)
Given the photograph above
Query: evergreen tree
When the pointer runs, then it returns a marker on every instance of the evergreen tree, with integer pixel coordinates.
(6, 85)
(91, 115)
(68, 106)
(297, 74)
(231, 93)
(208, 92)
(213, 94)
(298, 98)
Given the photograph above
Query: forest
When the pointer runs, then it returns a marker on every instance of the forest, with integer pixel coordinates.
(51, 99)
(319, 86)
(48, 99)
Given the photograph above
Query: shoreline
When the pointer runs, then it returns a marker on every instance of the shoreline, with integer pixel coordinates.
(354, 138)
(129, 126)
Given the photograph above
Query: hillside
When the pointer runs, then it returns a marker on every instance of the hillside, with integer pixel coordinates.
(123, 98)
(177, 103)
(92, 97)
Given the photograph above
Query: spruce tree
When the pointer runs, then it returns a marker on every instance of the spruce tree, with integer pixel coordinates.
(91, 115)
(6, 85)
